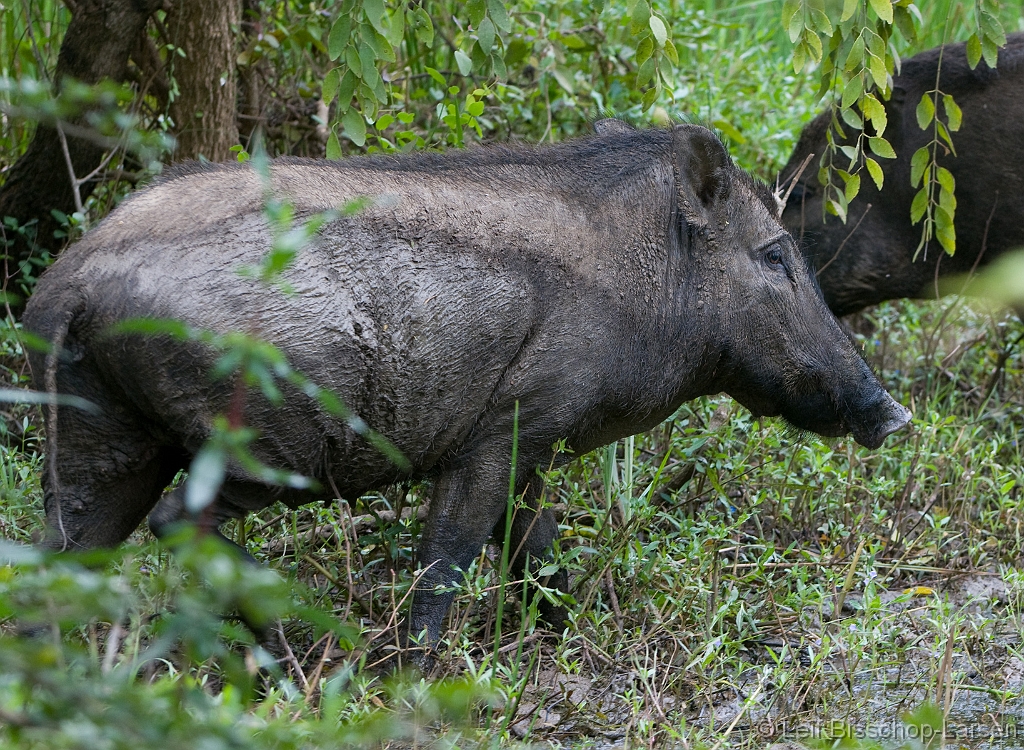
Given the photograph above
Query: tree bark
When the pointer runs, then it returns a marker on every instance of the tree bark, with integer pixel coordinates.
(99, 40)
(250, 86)
(204, 109)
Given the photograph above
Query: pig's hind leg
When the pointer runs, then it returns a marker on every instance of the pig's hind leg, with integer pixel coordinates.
(104, 471)
(468, 507)
(531, 537)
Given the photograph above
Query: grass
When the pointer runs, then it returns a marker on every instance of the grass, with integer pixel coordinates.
(735, 583)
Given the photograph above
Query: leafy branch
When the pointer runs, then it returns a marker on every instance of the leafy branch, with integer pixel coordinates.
(935, 202)
(937, 213)
(654, 47)
(858, 58)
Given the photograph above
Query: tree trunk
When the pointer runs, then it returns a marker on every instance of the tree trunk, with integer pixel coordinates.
(204, 109)
(250, 77)
(99, 40)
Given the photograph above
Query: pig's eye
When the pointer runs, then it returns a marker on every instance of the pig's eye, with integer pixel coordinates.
(774, 256)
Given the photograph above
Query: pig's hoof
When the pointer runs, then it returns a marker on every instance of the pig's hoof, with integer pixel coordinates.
(555, 615)
(420, 660)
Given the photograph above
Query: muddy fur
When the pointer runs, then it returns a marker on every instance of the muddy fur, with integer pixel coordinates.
(597, 283)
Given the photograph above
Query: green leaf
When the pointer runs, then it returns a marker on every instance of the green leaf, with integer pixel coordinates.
(573, 41)
(918, 164)
(849, 8)
(973, 51)
(789, 9)
(345, 91)
(671, 53)
(659, 30)
(368, 63)
(396, 28)
(330, 86)
(813, 44)
(644, 50)
(650, 96)
(905, 22)
(874, 111)
(338, 37)
(463, 62)
(498, 63)
(800, 58)
(730, 130)
(944, 225)
(424, 27)
(496, 10)
(919, 206)
(876, 44)
(946, 180)
(940, 126)
(437, 77)
(883, 8)
(876, 64)
(852, 92)
(837, 207)
(852, 187)
(793, 19)
(475, 11)
(380, 45)
(485, 35)
(481, 59)
(856, 57)
(925, 111)
(953, 114)
(641, 16)
(992, 29)
(880, 147)
(333, 146)
(851, 118)
(947, 202)
(205, 477)
(646, 73)
(851, 152)
(875, 171)
(821, 21)
(990, 51)
(947, 238)
(374, 10)
(355, 126)
(564, 77)
(475, 108)
(353, 62)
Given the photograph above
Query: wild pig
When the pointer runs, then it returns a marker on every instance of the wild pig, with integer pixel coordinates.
(597, 284)
(871, 257)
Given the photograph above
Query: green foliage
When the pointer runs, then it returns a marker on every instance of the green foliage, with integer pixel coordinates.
(857, 48)
(101, 106)
(95, 666)
(935, 202)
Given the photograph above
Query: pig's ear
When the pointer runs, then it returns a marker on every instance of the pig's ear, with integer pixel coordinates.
(703, 172)
(611, 125)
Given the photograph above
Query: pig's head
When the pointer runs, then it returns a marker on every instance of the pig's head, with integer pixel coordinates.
(777, 348)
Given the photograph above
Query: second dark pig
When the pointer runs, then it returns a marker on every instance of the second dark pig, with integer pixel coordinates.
(870, 258)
